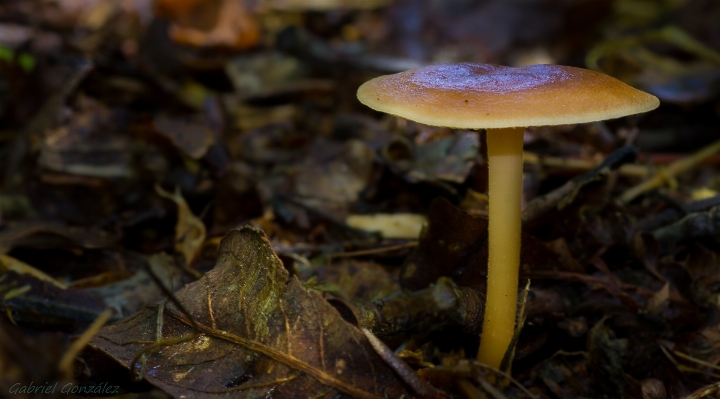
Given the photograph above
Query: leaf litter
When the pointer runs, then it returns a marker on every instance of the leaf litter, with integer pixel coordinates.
(364, 272)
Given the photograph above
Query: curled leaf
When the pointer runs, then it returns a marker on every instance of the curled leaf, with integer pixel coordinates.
(189, 231)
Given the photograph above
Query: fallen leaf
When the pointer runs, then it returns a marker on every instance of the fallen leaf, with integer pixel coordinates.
(659, 302)
(703, 267)
(48, 234)
(189, 231)
(8, 263)
(606, 353)
(45, 305)
(193, 139)
(128, 295)
(215, 23)
(257, 336)
(389, 225)
(448, 158)
(333, 176)
(91, 143)
(359, 281)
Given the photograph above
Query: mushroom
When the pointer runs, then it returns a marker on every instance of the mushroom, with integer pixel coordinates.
(503, 100)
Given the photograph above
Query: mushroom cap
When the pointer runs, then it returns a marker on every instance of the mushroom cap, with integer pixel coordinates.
(475, 96)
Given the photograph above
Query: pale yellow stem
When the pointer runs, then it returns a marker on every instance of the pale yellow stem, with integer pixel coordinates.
(505, 164)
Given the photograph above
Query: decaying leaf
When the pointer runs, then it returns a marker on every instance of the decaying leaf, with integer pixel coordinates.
(257, 336)
(447, 159)
(221, 23)
(333, 176)
(91, 143)
(193, 139)
(423, 311)
(703, 267)
(189, 231)
(606, 359)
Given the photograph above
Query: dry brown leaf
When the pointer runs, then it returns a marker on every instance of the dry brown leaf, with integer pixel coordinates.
(216, 23)
(190, 231)
(257, 336)
(659, 301)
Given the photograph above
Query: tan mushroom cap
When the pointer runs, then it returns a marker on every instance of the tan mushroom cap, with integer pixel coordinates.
(474, 96)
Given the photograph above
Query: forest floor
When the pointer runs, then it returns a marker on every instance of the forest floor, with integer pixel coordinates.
(194, 204)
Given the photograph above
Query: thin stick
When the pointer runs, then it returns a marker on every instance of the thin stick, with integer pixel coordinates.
(705, 391)
(373, 251)
(509, 377)
(420, 386)
(695, 360)
(668, 174)
(66, 361)
(582, 164)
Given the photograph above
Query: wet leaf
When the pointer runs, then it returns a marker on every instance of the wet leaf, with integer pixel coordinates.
(257, 335)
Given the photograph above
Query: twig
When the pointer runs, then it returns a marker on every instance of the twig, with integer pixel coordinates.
(491, 389)
(563, 195)
(407, 374)
(632, 170)
(66, 361)
(509, 378)
(281, 357)
(698, 361)
(372, 251)
(668, 174)
(705, 391)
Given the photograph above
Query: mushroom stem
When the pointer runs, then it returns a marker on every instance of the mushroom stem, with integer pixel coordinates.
(505, 165)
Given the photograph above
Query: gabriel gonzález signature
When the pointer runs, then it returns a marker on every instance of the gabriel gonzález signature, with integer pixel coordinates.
(49, 388)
